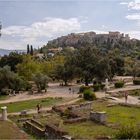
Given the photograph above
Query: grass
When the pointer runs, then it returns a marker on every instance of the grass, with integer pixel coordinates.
(3, 97)
(87, 130)
(31, 104)
(10, 131)
(117, 114)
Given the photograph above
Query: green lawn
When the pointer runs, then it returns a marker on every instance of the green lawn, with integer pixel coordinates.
(119, 114)
(88, 129)
(10, 131)
(3, 97)
(31, 104)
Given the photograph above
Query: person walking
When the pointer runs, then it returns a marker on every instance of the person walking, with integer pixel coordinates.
(126, 96)
(69, 90)
(38, 108)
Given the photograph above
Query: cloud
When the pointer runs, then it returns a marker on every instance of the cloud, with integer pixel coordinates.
(48, 27)
(135, 5)
(124, 3)
(135, 16)
(39, 32)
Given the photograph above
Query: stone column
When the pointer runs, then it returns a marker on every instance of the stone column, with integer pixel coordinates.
(4, 113)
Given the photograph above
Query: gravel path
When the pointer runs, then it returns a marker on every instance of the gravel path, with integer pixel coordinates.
(54, 90)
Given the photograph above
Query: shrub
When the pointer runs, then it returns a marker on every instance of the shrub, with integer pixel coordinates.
(83, 88)
(136, 82)
(96, 87)
(119, 84)
(128, 132)
(5, 92)
(89, 95)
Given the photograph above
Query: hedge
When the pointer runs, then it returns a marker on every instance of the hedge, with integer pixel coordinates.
(136, 82)
(119, 84)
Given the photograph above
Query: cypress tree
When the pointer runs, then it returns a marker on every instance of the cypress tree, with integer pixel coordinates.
(28, 49)
(31, 50)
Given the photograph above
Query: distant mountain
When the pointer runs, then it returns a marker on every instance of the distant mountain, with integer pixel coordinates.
(6, 52)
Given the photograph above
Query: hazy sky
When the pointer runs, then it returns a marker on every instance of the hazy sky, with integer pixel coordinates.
(37, 21)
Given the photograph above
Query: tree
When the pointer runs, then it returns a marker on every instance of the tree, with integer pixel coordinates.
(132, 66)
(31, 50)
(28, 49)
(64, 72)
(11, 60)
(28, 67)
(41, 81)
(84, 61)
(10, 80)
(116, 62)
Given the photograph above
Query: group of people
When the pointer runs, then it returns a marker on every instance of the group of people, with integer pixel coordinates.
(71, 90)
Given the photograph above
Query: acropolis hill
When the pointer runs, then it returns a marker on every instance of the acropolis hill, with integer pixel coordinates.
(74, 39)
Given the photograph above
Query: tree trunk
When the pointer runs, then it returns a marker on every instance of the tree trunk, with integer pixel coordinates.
(65, 81)
(86, 81)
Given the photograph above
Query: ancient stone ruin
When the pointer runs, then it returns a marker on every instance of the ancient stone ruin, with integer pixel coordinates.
(82, 106)
(53, 132)
(4, 113)
(99, 117)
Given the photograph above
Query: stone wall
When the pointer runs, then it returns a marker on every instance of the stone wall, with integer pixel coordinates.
(74, 120)
(53, 132)
(82, 106)
(99, 117)
(33, 128)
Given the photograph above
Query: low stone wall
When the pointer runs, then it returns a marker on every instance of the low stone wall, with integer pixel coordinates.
(34, 127)
(53, 132)
(59, 109)
(75, 120)
(82, 106)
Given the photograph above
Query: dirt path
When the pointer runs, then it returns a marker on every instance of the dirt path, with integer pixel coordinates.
(131, 100)
(54, 90)
(124, 89)
(33, 111)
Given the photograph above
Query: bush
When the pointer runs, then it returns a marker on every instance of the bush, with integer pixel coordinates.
(5, 92)
(128, 132)
(119, 84)
(89, 95)
(96, 87)
(136, 82)
(83, 88)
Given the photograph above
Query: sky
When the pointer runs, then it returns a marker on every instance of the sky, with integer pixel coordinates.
(35, 22)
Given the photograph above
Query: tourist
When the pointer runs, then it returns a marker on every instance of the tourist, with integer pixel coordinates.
(69, 90)
(73, 91)
(126, 96)
(38, 108)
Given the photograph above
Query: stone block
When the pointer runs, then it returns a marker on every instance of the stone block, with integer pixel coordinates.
(99, 117)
